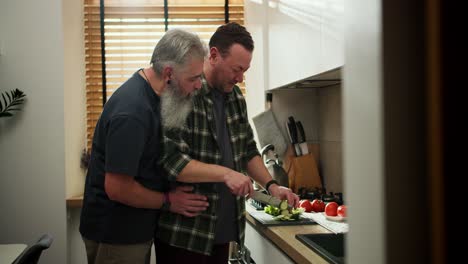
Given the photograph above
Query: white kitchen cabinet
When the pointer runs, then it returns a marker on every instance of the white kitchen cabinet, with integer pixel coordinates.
(296, 39)
(332, 34)
(295, 42)
(262, 251)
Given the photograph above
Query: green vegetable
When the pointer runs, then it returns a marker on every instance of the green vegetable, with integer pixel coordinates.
(272, 210)
(296, 213)
(285, 214)
(283, 205)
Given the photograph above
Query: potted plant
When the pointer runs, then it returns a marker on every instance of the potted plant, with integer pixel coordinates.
(11, 102)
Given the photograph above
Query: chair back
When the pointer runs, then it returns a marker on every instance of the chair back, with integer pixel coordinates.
(33, 252)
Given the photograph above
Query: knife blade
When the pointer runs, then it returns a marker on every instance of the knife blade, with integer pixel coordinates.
(267, 199)
(302, 139)
(293, 135)
(292, 128)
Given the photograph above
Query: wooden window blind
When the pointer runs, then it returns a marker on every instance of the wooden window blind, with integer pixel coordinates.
(131, 30)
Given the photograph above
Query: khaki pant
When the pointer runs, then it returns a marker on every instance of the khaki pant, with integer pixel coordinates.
(102, 253)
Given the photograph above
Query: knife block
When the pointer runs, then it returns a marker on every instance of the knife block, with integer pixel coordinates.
(303, 170)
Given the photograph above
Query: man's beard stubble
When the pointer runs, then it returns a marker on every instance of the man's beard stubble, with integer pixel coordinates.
(175, 107)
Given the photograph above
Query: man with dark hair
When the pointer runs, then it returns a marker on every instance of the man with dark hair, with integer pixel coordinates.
(217, 131)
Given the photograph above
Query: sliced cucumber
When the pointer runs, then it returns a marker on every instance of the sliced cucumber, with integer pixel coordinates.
(283, 205)
(283, 213)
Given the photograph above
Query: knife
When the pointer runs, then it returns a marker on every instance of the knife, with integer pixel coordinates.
(293, 135)
(270, 200)
(302, 139)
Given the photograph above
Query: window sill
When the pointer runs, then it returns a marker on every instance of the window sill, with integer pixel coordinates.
(75, 202)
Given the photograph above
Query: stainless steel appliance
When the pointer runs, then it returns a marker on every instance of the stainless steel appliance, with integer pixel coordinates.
(238, 255)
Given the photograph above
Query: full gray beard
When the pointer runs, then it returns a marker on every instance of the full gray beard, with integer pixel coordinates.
(175, 107)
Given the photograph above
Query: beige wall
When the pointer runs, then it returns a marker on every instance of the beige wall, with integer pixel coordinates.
(74, 95)
(75, 120)
(330, 134)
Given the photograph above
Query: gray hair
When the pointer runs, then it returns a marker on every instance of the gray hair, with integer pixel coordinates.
(175, 48)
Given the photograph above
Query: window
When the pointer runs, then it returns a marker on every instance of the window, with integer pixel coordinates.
(131, 30)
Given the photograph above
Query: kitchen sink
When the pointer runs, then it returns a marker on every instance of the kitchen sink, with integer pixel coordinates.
(329, 246)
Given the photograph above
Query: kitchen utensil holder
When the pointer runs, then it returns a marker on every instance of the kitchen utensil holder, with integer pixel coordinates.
(302, 171)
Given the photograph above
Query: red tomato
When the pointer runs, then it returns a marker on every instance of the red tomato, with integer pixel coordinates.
(306, 205)
(341, 211)
(331, 209)
(318, 205)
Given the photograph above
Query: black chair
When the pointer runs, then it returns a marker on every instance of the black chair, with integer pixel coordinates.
(33, 252)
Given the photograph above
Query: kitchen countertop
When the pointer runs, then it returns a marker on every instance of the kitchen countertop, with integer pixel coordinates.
(284, 237)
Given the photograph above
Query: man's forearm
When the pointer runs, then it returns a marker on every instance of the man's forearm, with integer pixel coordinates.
(197, 171)
(124, 189)
(257, 171)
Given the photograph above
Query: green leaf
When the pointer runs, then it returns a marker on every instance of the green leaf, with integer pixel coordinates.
(12, 99)
(5, 100)
(5, 114)
(18, 102)
(19, 93)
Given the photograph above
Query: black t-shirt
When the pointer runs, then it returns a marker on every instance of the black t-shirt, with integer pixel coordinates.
(226, 225)
(126, 141)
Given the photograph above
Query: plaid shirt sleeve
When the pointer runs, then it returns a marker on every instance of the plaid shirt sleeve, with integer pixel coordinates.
(175, 153)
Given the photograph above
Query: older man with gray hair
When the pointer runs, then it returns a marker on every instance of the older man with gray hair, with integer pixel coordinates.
(123, 185)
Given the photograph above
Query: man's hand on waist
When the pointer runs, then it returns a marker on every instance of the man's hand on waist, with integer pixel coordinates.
(186, 203)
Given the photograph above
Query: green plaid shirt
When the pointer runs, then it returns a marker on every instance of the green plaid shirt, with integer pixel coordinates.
(198, 141)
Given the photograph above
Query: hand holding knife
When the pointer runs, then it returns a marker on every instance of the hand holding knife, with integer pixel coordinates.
(270, 200)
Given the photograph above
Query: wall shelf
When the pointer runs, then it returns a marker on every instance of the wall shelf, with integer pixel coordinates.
(75, 202)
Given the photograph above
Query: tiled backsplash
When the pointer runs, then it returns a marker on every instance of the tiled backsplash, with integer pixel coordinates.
(330, 136)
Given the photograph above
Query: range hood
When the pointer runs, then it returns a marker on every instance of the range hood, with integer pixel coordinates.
(324, 79)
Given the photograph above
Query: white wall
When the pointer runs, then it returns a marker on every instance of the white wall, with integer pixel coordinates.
(362, 132)
(32, 148)
(256, 81)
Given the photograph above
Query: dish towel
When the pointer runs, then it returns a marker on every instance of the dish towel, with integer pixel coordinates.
(335, 227)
